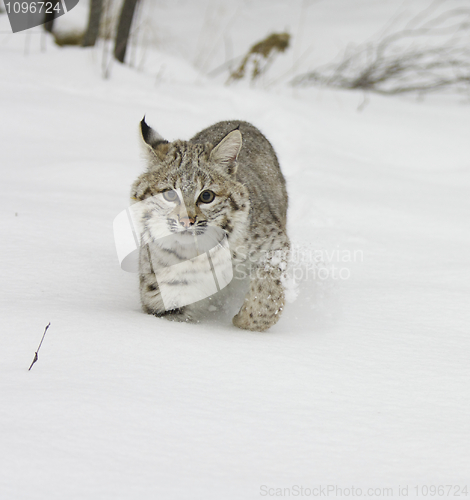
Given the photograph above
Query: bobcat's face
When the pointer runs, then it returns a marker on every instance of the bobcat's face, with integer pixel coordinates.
(188, 191)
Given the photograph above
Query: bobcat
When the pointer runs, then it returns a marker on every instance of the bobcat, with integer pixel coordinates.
(229, 179)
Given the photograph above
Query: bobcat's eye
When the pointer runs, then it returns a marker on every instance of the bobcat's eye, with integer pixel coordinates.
(207, 196)
(170, 195)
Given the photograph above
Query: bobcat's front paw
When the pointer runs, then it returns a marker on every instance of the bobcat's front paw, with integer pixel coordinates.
(247, 320)
(181, 315)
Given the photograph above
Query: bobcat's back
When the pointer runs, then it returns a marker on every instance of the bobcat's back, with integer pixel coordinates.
(258, 169)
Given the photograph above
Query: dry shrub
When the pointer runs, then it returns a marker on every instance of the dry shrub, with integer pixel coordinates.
(260, 56)
(431, 53)
(68, 38)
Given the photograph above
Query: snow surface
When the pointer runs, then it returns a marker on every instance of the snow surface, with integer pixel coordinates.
(363, 382)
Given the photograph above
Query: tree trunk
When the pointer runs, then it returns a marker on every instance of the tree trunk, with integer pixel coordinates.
(94, 19)
(50, 16)
(124, 28)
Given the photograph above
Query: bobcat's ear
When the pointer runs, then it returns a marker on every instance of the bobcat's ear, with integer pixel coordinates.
(152, 140)
(226, 152)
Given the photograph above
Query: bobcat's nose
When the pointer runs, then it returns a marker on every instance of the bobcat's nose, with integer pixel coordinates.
(186, 222)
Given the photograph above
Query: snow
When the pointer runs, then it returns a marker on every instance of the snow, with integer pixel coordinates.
(363, 381)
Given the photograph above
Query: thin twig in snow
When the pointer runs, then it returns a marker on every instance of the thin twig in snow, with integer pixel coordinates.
(40, 344)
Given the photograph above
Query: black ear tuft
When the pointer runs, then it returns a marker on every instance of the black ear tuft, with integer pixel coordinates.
(145, 129)
(150, 136)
